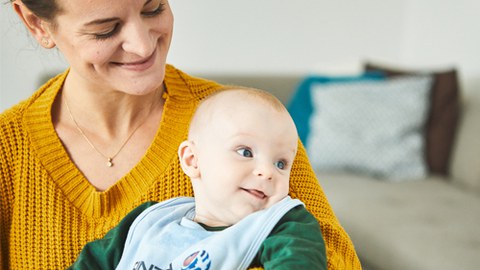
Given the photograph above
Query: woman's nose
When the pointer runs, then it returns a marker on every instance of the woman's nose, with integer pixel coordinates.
(138, 39)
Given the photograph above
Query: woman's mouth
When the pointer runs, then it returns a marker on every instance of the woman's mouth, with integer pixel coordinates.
(139, 65)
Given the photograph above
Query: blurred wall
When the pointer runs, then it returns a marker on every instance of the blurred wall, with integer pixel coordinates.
(280, 36)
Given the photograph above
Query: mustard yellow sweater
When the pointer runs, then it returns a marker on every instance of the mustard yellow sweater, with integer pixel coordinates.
(48, 210)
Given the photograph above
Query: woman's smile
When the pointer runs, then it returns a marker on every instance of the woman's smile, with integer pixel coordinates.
(140, 65)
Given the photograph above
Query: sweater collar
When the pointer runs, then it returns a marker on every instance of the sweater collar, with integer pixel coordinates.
(128, 189)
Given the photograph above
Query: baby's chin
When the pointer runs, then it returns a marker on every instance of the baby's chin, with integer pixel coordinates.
(274, 199)
(251, 209)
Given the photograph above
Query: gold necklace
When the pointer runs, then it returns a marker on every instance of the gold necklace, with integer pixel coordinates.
(109, 158)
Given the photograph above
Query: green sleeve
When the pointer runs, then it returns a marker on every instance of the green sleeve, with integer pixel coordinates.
(105, 253)
(296, 242)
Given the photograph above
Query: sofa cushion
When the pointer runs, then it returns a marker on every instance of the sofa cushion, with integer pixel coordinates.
(426, 225)
(371, 127)
(300, 105)
(442, 122)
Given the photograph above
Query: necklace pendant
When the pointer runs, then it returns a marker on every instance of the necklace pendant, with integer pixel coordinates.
(109, 162)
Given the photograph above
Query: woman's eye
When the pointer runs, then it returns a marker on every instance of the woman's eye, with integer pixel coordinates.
(281, 164)
(108, 34)
(153, 12)
(245, 152)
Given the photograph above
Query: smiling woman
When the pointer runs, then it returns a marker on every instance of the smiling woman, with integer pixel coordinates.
(100, 138)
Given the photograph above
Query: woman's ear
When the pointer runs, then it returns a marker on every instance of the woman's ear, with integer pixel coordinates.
(34, 24)
(188, 159)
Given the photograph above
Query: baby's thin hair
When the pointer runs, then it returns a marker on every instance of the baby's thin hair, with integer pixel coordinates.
(266, 96)
(259, 95)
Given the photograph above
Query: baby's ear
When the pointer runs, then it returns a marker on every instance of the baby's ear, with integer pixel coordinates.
(188, 159)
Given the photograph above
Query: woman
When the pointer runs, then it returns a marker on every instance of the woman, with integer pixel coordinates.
(100, 139)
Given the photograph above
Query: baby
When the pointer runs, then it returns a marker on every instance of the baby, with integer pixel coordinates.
(239, 153)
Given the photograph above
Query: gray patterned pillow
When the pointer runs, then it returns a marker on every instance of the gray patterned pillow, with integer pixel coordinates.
(371, 127)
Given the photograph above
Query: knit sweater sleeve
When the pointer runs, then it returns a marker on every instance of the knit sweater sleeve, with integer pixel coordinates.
(305, 186)
(7, 154)
(2, 195)
(3, 225)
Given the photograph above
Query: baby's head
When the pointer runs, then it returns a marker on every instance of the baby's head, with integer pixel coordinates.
(239, 153)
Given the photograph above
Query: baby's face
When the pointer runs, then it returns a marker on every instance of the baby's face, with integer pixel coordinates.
(244, 157)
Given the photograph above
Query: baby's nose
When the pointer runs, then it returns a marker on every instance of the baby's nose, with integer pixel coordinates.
(264, 171)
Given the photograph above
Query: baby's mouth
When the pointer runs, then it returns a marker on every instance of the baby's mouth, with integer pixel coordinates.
(257, 193)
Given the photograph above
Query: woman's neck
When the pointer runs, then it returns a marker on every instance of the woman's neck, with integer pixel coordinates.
(109, 112)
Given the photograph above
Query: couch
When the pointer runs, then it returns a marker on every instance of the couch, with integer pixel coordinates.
(424, 220)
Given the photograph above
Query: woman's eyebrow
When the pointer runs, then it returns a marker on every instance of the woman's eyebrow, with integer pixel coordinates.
(107, 20)
(102, 21)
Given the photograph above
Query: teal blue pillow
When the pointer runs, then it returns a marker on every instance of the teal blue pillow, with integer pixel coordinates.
(300, 106)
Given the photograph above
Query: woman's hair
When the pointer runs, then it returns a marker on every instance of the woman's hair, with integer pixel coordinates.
(45, 9)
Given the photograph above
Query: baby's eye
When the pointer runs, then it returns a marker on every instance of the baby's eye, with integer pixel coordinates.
(245, 152)
(281, 164)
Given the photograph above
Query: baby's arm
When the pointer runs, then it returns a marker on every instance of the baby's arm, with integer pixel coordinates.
(296, 242)
(105, 253)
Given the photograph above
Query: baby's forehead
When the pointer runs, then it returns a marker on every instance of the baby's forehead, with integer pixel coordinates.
(239, 107)
(237, 104)
(240, 98)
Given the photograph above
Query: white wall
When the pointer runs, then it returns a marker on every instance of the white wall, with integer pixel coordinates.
(22, 60)
(280, 36)
(445, 33)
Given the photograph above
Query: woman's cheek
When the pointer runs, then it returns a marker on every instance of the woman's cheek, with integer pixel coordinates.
(99, 54)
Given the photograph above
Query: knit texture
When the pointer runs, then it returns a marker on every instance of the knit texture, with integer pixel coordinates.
(48, 210)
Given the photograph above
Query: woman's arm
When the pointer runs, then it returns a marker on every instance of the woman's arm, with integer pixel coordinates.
(6, 189)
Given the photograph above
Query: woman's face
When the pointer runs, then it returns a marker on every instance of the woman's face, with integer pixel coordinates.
(119, 45)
